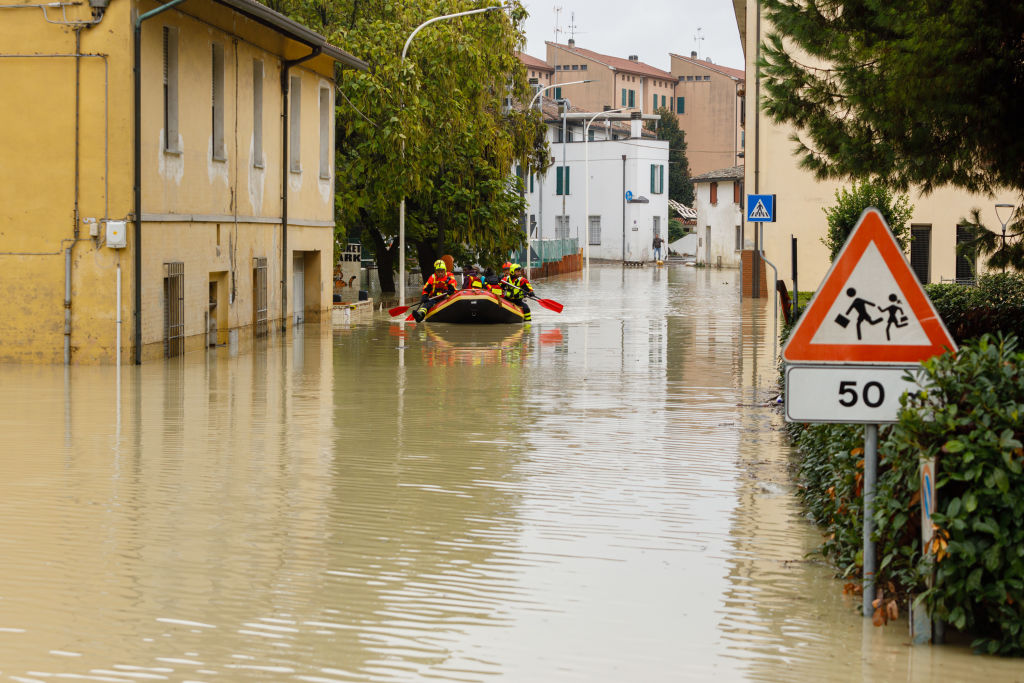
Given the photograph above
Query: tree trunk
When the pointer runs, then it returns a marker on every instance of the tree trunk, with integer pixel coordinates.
(427, 253)
(385, 258)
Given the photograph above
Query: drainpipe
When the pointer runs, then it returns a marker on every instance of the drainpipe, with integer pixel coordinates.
(137, 105)
(623, 210)
(286, 66)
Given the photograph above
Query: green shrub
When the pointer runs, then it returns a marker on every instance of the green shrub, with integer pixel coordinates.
(850, 204)
(995, 305)
(972, 418)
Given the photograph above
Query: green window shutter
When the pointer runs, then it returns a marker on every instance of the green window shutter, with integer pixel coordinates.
(567, 177)
(558, 180)
(632, 98)
(663, 101)
(680, 105)
(653, 190)
(558, 93)
(531, 181)
(655, 103)
(623, 97)
(661, 179)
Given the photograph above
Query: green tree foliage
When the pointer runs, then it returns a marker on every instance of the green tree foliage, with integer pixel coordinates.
(916, 93)
(999, 250)
(446, 104)
(680, 184)
(850, 204)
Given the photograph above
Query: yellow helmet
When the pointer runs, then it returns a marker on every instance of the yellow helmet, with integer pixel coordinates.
(439, 265)
(514, 268)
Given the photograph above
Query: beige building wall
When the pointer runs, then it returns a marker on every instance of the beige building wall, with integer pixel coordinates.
(215, 215)
(712, 115)
(609, 81)
(771, 168)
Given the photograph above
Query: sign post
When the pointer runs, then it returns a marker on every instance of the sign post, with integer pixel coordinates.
(854, 351)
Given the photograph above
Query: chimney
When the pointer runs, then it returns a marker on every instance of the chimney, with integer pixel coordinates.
(572, 42)
(634, 58)
(708, 60)
(635, 124)
(693, 54)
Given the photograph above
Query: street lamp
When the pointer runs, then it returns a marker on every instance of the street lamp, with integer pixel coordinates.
(1004, 221)
(401, 208)
(541, 236)
(586, 172)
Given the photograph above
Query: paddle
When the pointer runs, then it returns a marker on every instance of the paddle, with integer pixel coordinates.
(399, 310)
(549, 304)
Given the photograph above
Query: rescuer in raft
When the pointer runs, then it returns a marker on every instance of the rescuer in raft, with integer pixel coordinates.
(438, 286)
(515, 287)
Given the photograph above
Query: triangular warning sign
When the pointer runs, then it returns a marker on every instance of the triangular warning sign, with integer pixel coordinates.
(870, 308)
(760, 211)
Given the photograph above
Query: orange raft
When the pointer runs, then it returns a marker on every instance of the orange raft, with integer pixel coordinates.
(474, 306)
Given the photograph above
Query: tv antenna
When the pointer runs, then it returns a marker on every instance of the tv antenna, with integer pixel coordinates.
(573, 28)
(699, 38)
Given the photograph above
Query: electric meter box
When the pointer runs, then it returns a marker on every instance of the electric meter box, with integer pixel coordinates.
(117, 234)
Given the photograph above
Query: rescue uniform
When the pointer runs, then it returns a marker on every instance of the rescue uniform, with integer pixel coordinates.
(433, 288)
(515, 288)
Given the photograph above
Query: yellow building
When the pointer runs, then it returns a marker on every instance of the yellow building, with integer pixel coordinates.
(211, 219)
(771, 168)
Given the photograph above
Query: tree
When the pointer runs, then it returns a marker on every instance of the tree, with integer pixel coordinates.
(915, 93)
(850, 204)
(446, 103)
(680, 185)
(999, 250)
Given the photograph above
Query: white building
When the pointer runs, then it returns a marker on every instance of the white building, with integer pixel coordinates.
(628, 199)
(720, 232)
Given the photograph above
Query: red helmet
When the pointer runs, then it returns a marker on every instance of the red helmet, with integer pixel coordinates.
(506, 265)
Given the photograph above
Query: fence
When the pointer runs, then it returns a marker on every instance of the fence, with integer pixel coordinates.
(549, 251)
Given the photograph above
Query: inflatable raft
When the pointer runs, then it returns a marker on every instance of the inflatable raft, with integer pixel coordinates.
(476, 306)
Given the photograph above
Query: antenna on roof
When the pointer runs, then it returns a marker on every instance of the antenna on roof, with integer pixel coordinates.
(699, 38)
(573, 28)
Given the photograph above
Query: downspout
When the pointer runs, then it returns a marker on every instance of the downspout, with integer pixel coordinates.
(623, 209)
(137, 105)
(286, 66)
(755, 284)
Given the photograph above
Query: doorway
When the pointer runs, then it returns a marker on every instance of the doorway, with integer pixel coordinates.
(299, 287)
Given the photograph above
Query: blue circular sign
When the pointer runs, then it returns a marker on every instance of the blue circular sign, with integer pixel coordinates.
(629, 195)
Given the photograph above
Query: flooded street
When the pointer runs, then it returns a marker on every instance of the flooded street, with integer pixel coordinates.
(602, 496)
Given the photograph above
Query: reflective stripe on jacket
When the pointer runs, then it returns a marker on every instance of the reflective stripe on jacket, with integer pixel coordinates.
(436, 287)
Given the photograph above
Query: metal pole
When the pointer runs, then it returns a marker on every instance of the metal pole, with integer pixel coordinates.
(870, 477)
(401, 208)
(796, 290)
(586, 172)
(623, 198)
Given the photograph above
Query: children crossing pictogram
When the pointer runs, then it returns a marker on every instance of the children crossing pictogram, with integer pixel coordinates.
(870, 308)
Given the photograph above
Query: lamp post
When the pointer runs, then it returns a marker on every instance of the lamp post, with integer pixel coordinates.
(1004, 221)
(541, 236)
(586, 173)
(401, 207)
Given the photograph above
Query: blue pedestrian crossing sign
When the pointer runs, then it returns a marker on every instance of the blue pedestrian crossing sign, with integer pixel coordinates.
(761, 208)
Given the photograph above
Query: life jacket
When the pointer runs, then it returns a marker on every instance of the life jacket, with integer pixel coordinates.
(512, 282)
(474, 282)
(436, 287)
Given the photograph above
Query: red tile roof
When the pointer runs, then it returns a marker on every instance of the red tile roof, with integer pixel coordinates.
(734, 73)
(534, 63)
(620, 64)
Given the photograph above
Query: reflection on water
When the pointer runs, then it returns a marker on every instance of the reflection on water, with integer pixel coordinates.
(599, 497)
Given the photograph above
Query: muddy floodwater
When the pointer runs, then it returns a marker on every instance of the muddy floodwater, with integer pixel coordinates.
(601, 496)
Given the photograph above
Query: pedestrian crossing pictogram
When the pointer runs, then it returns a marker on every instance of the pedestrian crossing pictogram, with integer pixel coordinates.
(870, 307)
(760, 211)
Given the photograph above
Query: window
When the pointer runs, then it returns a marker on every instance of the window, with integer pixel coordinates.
(531, 181)
(220, 151)
(657, 178)
(559, 135)
(171, 89)
(680, 105)
(575, 67)
(558, 93)
(570, 134)
(736, 192)
(964, 267)
(623, 97)
(594, 231)
(561, 227)
(689, 78)
(707, 78)
(326, 151)
(562, 177)
(657, 225)
(920, 251)
(259, 297)
(714, 194)
(583, 67)
(662, 101)
(295, 136)
(632, 98)
(672, 104)
(590, 135)
(739, 238)
(257, 113)
(655, 106)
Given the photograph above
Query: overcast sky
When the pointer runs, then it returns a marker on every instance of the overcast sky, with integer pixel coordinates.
(648, 28)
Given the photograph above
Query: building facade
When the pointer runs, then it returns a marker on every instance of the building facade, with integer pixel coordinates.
(235, 234)
(617, 83)
(801, 199)
(627, 202)
(720, 230)
(710, 107)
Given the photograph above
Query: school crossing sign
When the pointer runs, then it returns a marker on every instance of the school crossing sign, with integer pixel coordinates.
(868, 324)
